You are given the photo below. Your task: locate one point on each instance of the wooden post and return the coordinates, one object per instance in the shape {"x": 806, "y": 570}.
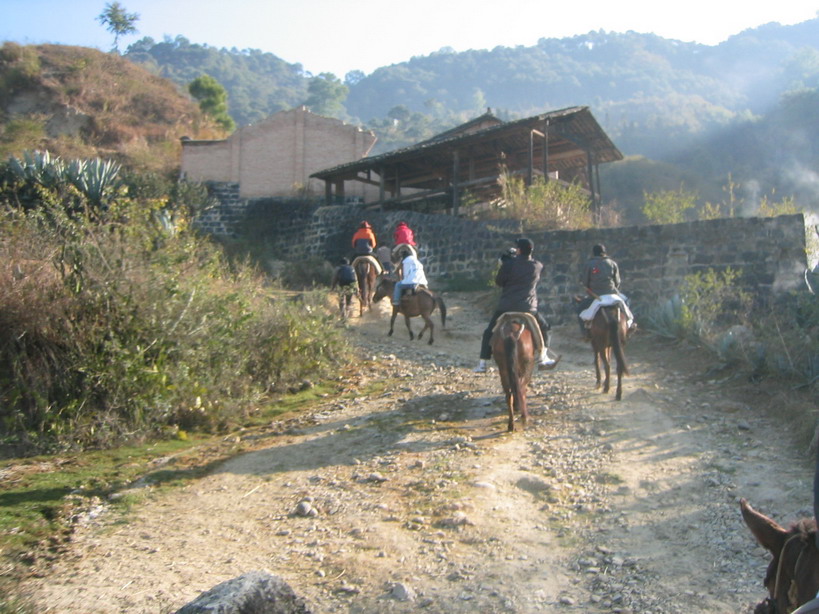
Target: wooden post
{"x": 340, "y": 191}
{"x": 456, "y": 197}
{"x": 546, "y": 152}
{"x": 328, "y": 192}
{"x": 530, "y": 167}
{"x": 590, "y": 174}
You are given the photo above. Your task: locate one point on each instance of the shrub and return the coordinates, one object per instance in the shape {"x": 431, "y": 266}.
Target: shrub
{"x": 668, "y": 206}
{"x": 711, "y": 299}
{"x": 706, "y": 304}
{"x": 544, "y": 204}
{"x": 118, "y": 326}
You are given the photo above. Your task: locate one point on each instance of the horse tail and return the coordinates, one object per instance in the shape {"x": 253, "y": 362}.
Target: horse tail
{"x": 510, "y": 351}
{"x": 440, "y": 302}
{"x": 617, "y": 341}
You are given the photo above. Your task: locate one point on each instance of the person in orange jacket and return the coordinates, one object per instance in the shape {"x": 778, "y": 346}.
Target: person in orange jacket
{"x": 364, "y": 239}
{"x": 403, "y": 234}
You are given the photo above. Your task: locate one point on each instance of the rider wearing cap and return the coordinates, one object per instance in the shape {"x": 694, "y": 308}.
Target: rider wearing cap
{"x": 403, "y": 234}
{"x": 601, "y": 278}
{"x": 364, "y": 239}
{"x": 518, "y": 277}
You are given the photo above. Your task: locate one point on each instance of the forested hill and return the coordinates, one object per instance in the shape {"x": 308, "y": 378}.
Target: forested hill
{"x": 258, "y": 84}
{"x": 652, "y": 95}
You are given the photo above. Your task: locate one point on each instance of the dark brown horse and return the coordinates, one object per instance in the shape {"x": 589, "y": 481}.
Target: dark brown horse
{"x": 792, "y": 578}
{"x": 421, "y": 302}
{"x": 366, "y": 271}
{"x": 513, "y": 349}
{"x": 608, "y": 333}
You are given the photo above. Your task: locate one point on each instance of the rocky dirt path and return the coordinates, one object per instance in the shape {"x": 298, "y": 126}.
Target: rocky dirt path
{"x": 417, "y": 499}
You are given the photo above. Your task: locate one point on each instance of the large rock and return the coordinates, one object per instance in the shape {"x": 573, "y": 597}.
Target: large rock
{"x": 255, "y": 592}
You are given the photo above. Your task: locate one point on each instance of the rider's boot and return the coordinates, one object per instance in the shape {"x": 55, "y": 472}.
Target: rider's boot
{"x": 545, "y": 361}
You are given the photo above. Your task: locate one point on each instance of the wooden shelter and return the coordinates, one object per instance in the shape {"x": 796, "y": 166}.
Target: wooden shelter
{"x": 568, "y": 145}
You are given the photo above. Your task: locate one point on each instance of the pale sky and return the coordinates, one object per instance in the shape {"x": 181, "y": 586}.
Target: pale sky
{"x": 338, "y": 36}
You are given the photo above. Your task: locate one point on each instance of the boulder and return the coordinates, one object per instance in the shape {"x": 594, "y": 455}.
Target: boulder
{"x": 255, "y": 592}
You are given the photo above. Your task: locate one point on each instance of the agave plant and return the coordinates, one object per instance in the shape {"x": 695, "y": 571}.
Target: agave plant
{"x": 97, "y": 179}
{"x": 39, "y": 167}
{"x": 667, "y": 319}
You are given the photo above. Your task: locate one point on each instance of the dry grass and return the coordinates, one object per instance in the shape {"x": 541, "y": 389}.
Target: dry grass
{"x": 128, "y": 113}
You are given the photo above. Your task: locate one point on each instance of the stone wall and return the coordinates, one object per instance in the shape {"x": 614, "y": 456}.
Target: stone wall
{"x": 770, "y": 252}
{"x": 224, "y": 218}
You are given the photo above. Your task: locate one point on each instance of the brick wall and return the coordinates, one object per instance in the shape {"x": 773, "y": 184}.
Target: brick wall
{"x": 275, "y": 157}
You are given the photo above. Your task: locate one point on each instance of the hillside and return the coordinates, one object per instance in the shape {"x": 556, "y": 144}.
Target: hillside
{"x": 683, "y": 113}
{"x": 652, "y": 95}
{"x": 80, "y": 102}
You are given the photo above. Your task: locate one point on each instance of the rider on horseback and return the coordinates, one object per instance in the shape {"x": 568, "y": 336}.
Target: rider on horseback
{"x": 364, "y": 239}
{"x": 518, "y": 277}
{"x": 601, "y": 278}
{"x": 411, "y": 271}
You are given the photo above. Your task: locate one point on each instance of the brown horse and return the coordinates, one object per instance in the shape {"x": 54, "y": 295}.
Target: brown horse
{"x": 513, "y": 349}
{"x": 421, "y": 302}
{"x": 792, "y": 578}
{"x": 608, "y": 333}
{"x": 366, "y": 271}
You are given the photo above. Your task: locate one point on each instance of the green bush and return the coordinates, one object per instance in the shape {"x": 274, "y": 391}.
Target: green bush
{"x": 706, "y": 304}
{"x": 117, "y": 326}
{"x": 712, "y": 300}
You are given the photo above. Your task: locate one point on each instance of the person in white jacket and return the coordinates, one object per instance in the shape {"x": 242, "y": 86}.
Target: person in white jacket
{"x": 411, "y": 271}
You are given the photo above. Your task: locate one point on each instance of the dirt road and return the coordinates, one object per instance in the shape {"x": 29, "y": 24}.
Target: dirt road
{"x": 418, "y": 500}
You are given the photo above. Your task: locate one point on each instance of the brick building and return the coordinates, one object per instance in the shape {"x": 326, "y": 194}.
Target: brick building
{"x": 276, "y": 157}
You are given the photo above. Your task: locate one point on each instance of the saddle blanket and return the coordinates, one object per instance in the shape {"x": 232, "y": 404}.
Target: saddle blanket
{"x": 372, "y": 260}
{"x": 529, "y": 320}
{"x": 606, "y": 300}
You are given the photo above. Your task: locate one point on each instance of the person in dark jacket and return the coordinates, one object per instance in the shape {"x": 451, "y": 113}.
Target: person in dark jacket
{"x": 344, "y": 278}
{"x": 601, "y": 278}
{"x": 518, "y": 277}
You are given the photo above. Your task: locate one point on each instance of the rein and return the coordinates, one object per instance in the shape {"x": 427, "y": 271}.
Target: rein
{"x": 791, "y": 594}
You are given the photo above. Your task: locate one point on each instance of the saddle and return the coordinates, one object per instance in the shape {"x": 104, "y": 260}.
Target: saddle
{"x": 414, "y": 289}
{"x": 400, "y": 245}
{"x": 528, "y": 320}
{"x": 372, "y": 260}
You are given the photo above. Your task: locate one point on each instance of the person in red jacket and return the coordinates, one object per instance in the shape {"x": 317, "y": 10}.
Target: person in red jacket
{"x": 403, "y": 234}
{"x": 364, "y": 239}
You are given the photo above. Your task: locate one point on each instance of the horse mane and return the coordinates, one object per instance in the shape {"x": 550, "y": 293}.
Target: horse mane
{"x": 804, "y": 526}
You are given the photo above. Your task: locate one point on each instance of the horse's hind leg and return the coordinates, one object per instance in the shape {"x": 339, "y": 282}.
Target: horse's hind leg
{"x": 427, "y": 325}
{"x": 523, "y": 410}
{"x": 597, "y": 358}
{"x": 607, "y": 367}
{"x": 392, "y": 321}
{"x": 409, "y": 329}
